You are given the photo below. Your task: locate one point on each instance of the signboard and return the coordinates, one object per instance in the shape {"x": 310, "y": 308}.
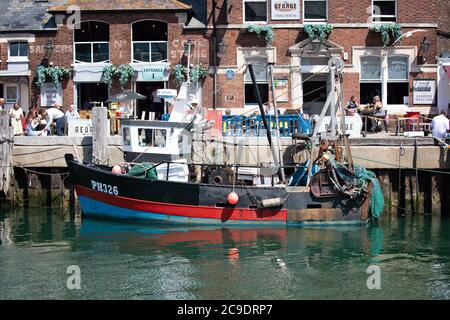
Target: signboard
{"x": 281, "y": 89}
{"x": 81, "y": 127}
{"x": 353, "y": 125}
{"x": 424, "y": 91}
{"x": 50, "y": 94}
{"x": 155, "y": 72}
{"x": 285, "y": 9}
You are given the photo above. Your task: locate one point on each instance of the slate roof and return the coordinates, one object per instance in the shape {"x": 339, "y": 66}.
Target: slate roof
{"x": 108, "y": 5}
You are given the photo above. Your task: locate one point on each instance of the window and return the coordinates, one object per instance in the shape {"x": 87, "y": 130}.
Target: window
{"x": 91, "y": 41}
{"x": 314, "y": 90}
{"x": 18, "y": 50}
{"x": 152, "y": 137}
{"x": 260, "y": 70}
{"x": 398, "y": 84}
{"x": 11, "y": 93}
{"x": 149, "y": 41}
{"x": 370, "y": 78}
{"x": 384, "y": 11}
{"x": 126, "y": 136}
{"x": 255, "y": 11}
{"x": 315, "y": 10}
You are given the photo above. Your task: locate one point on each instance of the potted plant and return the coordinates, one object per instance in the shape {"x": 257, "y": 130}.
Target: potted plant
{"x": 263, "y": 28}
{"x": 53, "y": 74}
{"x": 386, "y": 30}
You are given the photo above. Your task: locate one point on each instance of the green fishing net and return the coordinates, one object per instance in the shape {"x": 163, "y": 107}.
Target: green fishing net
{"x": 143, "y": 170}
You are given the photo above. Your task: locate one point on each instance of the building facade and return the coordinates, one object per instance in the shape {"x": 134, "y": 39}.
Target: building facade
{"x": 150, "y": 37}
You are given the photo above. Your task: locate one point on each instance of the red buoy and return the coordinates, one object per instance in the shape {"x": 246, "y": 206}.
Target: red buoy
{"x": 233, "y": 198}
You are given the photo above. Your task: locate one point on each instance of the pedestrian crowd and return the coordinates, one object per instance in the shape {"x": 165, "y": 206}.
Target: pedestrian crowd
{"x": 40, "y": 122}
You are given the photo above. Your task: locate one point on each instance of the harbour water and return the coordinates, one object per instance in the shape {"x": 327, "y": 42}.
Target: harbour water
{"x": 135, "y": 261}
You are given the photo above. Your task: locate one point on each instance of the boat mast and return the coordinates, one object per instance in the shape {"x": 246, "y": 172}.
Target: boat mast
{"x": 263, "y": 114}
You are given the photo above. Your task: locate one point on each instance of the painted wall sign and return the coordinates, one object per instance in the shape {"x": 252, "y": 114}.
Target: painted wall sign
{"x": 285, "y": 9}
{"x": 50, "y": 95}
{"x": 281, "y": 89}
{"x": 155, "y": 72}
{"x": 424, "y": 91}
{"x": 353, "y": 125}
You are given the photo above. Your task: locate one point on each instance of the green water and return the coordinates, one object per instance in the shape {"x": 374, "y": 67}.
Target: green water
{"x": 131, "y": 261}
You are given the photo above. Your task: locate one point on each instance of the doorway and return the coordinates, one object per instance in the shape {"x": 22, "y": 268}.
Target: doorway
{"x": 91, "y": 95}
{"x": 152, "y": 103}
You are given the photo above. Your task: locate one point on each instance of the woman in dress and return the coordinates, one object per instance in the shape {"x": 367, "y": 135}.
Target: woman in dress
{"x": 16, "y": 114}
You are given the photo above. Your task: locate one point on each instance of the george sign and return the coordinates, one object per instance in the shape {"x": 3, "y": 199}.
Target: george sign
{"x": 424, "y": 91}
{"x": 285, "y": 9}
{"x": 281, "y": 89}
{"x": 50, "y": 94}
{"x": 353, "y": 125}
{"x": 155, "y": 72}
{"x": 80, "y": 127}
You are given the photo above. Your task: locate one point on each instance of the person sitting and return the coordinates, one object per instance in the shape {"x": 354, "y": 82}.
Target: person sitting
{"x": 379, "y": 112}
{"x": 71, "y": 113}
{"x": 53, "y": 114}
{"x": 440, "y": 126}
{"x": 352, "y": 106}
{"x": 32, "y": 123}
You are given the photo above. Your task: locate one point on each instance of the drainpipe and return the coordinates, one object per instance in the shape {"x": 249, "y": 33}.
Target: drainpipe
{"x": 214, "y": 40}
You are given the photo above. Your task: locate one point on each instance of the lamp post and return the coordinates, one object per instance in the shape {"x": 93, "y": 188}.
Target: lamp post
{"x": 187, "y": 48}
{"x": 221, "y": 47}
{"x": 316, "y": 44}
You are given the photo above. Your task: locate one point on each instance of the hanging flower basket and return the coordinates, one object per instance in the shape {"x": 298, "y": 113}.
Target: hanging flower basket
{"x": 123, "y": 73}
{"x": 386, "y": 30}
{"x": 258, "y": 29}
{"x": 53, "y": 74}
{"x": 320, "y": 31}
{"x": 196, "y": 73}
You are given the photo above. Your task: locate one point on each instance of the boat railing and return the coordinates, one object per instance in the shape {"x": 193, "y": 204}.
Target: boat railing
{"x": 254, "y": 126}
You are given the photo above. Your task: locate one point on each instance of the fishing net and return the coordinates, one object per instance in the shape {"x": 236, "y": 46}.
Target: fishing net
{"x": 143, "y": 170}
{"x": 354, "y": 183}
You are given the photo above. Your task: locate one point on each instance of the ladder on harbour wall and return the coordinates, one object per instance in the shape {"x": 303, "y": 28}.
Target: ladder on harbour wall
{"x": 6, "y": 143}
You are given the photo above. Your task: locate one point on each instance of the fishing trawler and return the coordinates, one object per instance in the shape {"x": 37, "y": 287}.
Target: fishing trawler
{"x": 160, "y": 183}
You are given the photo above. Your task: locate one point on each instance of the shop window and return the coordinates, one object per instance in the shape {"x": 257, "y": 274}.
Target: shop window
{"x": 398, "y": 84}
{"x": 152, "y": 137}
{"x": 398, "y": 68}
{"x": 397, "y": 93}
{"x": 91, "y": 95}
{"x": 11, "y": 93}
{"x": 315, "y": 10}
{"x": 260, "y": 70}
{"x": 255, "y": 11}
{"x": 370, "y": 68}
{"x": 149, "y": 41}
{"x": 91, "y": 41}
{"x": 384, "y": 11}
{"x": 368, "y": 91}
{"x": 18, "y": 50}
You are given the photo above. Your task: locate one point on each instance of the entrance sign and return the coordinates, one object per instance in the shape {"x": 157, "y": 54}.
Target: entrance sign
{"x": 424, "y": 91}
{"x": 155, "y": 72}
{"x": 50, "y": 94}
{"x": 285, "y": 9}
{"x": 353, "y": 125}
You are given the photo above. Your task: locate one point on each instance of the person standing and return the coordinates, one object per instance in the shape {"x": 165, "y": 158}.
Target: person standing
{"x": 2, "y": 103}
{"x": 16, "y": 114}
{"x": 440, "y": 126}
{"x": 53, "y": 114}
{"x": 71, "y": 113}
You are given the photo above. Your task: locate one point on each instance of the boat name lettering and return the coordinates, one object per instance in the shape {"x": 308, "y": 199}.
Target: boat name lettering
{"x": 105, "y": 188}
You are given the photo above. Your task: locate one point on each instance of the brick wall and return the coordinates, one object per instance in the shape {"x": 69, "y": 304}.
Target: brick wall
{"x": 444, "y": 25}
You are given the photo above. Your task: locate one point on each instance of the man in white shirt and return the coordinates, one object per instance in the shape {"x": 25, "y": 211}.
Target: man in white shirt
{"x": 53, "y": 114}
{"x": 440, "y": 125}
{"x": 71, "y": 113}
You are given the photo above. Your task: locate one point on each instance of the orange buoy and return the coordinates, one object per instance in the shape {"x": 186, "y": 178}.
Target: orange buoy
{"x": 233, "y": 198}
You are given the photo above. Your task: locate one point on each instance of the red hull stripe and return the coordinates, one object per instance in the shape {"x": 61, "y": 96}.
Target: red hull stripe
{"x": 189, "y": 211}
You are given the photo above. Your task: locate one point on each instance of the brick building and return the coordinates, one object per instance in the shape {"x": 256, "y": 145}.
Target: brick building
{"x": 145, "y": 34}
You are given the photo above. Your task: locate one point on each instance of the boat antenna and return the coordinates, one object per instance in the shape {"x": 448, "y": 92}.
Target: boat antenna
{"x": 263, "y": 114}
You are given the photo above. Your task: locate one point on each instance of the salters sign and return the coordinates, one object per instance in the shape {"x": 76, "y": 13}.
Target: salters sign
{"x": 285, "y": 9}
{"x": 424, "y": 91}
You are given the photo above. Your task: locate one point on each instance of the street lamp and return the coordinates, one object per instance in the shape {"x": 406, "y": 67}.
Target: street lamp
{"x": 187, "y": 46}
{"x": 316, "y": 43}
{"x": 425, "y": 48}
{"x": 221, "y": 47}
{"x": 48, "y": 48}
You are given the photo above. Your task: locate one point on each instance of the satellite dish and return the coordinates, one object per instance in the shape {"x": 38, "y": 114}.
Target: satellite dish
{"x": 338, "y": 63}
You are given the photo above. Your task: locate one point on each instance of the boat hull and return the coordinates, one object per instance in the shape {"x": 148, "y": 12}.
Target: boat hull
{"x": 103, "y": 194}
